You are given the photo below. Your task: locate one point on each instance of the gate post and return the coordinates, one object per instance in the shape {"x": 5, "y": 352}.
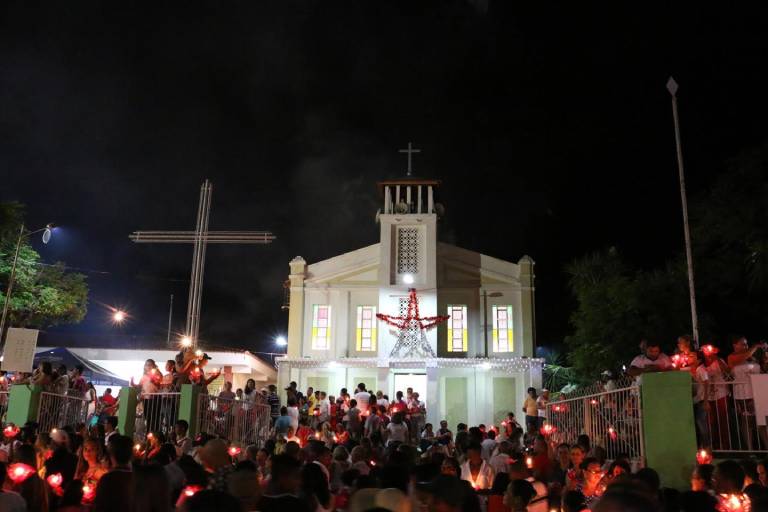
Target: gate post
{"x": 23, "y": 403}
{"x": 669, "y": 432}
{"x": 188, "y": 406}
{"x": 126, "y": 411}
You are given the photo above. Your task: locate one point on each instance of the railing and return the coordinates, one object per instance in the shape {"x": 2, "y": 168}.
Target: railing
{"x": 3, "y": 405}
{"x": 611, "y": 419}
{"x": 156, "y": 412}
{"x": 56, "y": 411}
{"x": 726, "y": 420}
{"x": 239, "y": 421}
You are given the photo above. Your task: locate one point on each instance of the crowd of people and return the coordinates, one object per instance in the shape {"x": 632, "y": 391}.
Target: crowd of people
{"x": 392, "y": 463}
{"x": 724, "y": 406}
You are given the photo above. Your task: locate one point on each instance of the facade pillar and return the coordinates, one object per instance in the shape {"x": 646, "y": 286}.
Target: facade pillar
{"x": 528, "y": 306}
{"x": 433, "y": 396}
{"x": 126, "y": 412}
{"x": 23, "y": 403}
{"x": 296, "y": 307}
{"x": 669, "y": 434}
{"x": 188, "y": 406}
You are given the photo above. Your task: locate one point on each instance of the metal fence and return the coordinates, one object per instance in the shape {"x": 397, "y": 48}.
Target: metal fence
{"x": 156, "y": 412}
{"x": 56, "y": 411}
{"x": 726, "y": 420}
{"x": 3, "y": 405}
{"x": 612, "y": 419}
{"x": 239, "y": 421}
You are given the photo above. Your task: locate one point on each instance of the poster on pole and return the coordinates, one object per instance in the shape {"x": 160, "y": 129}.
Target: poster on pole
{"x": 19, "y": 352}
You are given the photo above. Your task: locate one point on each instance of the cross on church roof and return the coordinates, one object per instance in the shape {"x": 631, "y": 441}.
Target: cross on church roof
{"x": 410, "y": 152}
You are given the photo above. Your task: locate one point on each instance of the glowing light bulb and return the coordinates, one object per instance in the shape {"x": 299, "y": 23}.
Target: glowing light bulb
{"x": 408, "y": 278}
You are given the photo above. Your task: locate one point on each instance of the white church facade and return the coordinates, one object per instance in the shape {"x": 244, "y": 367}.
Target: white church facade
{"x": 484, "y": 353}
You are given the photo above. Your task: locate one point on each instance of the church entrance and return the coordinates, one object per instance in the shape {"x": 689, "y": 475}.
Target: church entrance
{"x": 417, "y": 381}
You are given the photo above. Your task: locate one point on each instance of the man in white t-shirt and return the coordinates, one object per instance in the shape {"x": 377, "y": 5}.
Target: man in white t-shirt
{"x": 488, "y": 445}
{"x": 654, "y": 360}
{"x": 363, "y": 397}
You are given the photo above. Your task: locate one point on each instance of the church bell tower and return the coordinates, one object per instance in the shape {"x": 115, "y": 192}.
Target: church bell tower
{"x": 408, "y": 245}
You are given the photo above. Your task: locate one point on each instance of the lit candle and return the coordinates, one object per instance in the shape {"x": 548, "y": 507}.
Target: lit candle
{"x": 89, "y": 492}
{"x": 703, "y": 457}
{"x": 55, "y": 480}
{"x": 19, "y": 472}
{"x": 234, "y": 451}
{"x": 529, "y": 462}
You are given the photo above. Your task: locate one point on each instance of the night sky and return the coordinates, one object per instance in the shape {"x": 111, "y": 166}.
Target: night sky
{"x": 550, "y": 127}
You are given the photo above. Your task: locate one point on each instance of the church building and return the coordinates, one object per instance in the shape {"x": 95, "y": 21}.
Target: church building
{"x": 474, "y": 367}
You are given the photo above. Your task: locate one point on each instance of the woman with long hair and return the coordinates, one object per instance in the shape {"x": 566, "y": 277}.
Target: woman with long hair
{"x": 91, "y": 466}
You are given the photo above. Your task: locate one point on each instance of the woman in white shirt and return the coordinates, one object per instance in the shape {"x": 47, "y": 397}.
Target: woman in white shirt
{"x": 397, "y": 429}
{"x": 475, "y": 470}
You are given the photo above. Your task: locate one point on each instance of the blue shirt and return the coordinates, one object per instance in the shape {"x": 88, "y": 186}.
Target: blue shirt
{"x": 281, "y": 424}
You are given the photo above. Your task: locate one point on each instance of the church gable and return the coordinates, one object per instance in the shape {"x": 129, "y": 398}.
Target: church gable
{"x": 464, "y": 268}
{"x": 358, "y": 267}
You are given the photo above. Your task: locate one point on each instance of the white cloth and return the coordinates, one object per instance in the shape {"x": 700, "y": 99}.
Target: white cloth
{"x": 700, "y": 384}
{"x": 383, "y": 401}
{"x": 397, "y": 432}
{"x": 362, "y": 400}
{"x": 540, "y": 502}
{"x": 499, "y": 463}
{"x": 484, "y": 478}
{"x": 541, "y": 403}
{"x": 293, "y": 412}
{"x": 641, "y": 361}
{"x": 741, "y": 373}
{"x": 487, "y": 447}
{"x": 717, "y": 385}
{"x": 325, "y": 410}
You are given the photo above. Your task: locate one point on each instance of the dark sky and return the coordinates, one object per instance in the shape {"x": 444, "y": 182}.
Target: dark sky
{"x": 550, "y": 127}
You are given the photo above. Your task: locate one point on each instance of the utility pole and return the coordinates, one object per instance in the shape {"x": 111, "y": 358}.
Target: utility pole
{"x": 672, "y": 88}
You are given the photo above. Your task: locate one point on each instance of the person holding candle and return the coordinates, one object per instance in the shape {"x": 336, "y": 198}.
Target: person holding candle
{"x": 742, "y": 364}
{"x": 653, "y": 360}
{"x": 475, "y": 470}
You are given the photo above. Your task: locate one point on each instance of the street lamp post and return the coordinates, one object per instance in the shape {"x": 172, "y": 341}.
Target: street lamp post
{"x": 12, "y": 275}
{"x": 672, "y": 88}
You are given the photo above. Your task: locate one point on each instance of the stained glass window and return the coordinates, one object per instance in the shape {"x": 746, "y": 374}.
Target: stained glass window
{"x": 321, "y": 327}
{"x": 366, "y": 328}
{"x": 502, "y": 329}
{"x": 457, "y": 329}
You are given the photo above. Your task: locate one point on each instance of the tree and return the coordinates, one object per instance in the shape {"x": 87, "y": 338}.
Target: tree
{"x": 617, "y": 306}
{"x": 43, "y": 295}
{"x": 730, "y": 236}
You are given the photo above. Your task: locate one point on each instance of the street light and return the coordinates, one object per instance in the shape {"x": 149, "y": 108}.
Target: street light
{"x": 118, "y": 316}
{"x": 280, "y": 341}
{"x": 23, "y": 233}
{"x": 186, "y": 341}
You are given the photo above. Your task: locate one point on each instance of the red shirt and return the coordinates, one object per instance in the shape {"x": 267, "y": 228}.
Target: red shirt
{"x": 109, "y": 404}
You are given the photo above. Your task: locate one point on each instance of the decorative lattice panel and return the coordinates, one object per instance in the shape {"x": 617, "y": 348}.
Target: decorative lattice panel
{"x": 408, "y": 250}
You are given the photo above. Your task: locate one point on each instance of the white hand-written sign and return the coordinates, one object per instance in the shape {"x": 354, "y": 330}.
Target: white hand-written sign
{"x": 19, "y": 352}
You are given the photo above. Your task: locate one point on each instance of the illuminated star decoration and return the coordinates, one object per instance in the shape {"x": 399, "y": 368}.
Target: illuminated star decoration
{"x": 411, "y": 338}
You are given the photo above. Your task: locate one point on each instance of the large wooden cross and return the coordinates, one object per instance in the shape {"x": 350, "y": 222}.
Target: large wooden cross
{"x": 200, "y": 238}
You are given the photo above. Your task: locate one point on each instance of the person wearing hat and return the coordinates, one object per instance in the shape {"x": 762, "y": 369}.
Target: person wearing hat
{"x": 198, "y": 374}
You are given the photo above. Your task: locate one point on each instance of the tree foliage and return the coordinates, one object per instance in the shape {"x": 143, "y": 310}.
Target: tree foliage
{"x": 617, "y": 306}
{"x": 43, "y": 295}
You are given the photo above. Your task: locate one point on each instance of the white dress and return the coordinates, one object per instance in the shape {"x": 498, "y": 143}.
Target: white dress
{"x": 484, "y": 478}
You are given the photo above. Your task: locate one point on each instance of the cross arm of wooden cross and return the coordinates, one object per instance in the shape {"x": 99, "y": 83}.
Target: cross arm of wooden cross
{"x": 208, "y": 237}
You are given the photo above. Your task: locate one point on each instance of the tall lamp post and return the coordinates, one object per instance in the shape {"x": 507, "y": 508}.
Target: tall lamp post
{"x": 672, "y": 88}
{"x": 23, "y": 233}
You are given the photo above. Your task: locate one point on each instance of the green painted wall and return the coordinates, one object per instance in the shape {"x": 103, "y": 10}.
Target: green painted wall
{"x": 188, "y": 406}
{"x": 369, "y": 381}
{"x": 504, "y": 393}
{"x": 23, "y": 402}
{"x": 668, "y": 427}
{"x": 319, "y": 384}
{"x": 126, "y": 412}
{"x": 456, "y": 410}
